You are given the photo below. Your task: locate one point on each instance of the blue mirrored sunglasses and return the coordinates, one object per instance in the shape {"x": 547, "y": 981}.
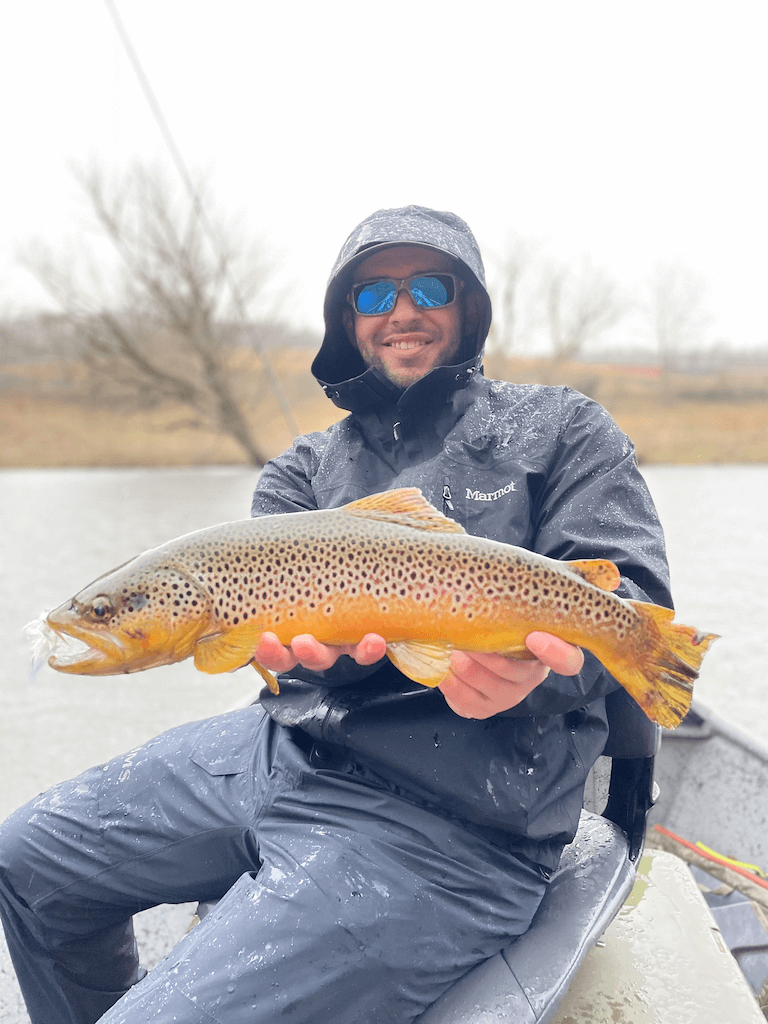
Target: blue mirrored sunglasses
{"x": 428, "y": 291}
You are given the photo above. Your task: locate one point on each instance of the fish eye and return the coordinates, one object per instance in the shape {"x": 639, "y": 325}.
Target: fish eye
{"x": 101, "y": 608}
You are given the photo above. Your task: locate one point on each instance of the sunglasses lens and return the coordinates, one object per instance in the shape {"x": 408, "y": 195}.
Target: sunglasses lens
{"x": 428, "y": 291}
{"x": 433, "y": 290}
{"x": 375, "y": 297}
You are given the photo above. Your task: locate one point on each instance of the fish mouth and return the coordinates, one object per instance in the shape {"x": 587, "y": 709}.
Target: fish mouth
{"x": 76, "y": 649}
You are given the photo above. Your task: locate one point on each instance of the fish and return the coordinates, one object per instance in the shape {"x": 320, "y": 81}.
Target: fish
{"x": 389, "y": 563}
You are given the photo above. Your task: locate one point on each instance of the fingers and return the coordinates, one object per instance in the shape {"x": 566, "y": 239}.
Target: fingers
{"x": 271, "y": 654}
{"x": 371, "y": 649}
{"x": 483, "y": 685}
{"x": 561, "y": 657}
{"x": 317, "y": 657}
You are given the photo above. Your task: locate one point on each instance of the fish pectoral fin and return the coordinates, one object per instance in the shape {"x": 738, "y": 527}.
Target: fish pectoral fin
{"x": 228, "y": 651}
{"x": 600, "y": 572}
{"x": 267, "y": 676}
{"x": 405, "y": 506}
{"x": 423, "y": 661}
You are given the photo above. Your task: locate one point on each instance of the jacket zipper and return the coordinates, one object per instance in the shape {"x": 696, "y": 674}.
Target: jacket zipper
{"x": 447, "y": 502}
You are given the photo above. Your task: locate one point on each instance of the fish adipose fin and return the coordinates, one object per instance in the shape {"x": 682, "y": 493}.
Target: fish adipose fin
{"x": 405, "y": 506}
{"x": 424, "y": 662}
{"x": 227, "y": 651}
{"x": 597, "y": 571}
{"x": 662, "y": 681}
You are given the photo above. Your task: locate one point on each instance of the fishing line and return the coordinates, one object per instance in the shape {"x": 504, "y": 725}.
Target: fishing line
{"x": 201, "y": 214}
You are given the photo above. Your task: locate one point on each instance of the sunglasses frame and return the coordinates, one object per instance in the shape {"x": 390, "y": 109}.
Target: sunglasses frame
{"x": 400, "y": 284}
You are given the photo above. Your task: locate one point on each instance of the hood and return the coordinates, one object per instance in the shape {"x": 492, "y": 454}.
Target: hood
{"x": 338, "y": 360}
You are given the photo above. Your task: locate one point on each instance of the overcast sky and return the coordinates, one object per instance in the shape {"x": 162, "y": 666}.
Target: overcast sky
{"x": 631, "y": 133}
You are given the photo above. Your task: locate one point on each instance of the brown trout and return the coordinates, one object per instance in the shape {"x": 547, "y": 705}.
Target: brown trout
{"x": 389, "y": 564}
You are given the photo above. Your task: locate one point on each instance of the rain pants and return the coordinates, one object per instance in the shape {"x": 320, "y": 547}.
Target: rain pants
{"x": 343, "y": 901}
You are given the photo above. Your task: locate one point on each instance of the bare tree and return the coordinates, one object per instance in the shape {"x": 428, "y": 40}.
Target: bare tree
{"x": 676, "y": 311}
{"x": 513, "y": 314}
{"x": 161, "y": 326}
{"x": 580, "y": 305}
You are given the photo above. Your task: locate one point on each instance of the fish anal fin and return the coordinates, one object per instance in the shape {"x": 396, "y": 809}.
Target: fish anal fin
{"x": 598, "y": 571}
{"x": 228, "y": 651}
{"x": 425, "y": 662}
{"x": 405, "y": 506}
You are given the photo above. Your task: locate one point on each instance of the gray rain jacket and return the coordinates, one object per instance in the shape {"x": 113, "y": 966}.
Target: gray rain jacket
{"x": 540, "y": 467}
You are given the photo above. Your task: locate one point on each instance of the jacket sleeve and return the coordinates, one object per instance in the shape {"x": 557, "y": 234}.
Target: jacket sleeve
{"x": 592, "y": 502}
{"x": 285, "y": 482}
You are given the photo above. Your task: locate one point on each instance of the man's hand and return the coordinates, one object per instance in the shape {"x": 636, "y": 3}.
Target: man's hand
{"x": 483, "y": 685}
{"x": 477, "y": 686}
{"x": 317, "y": 657}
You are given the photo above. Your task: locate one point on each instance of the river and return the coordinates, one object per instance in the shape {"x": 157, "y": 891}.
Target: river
{"x": 62, "y": 528}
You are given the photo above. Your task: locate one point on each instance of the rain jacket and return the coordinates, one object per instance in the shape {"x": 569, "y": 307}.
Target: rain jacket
{"x": 544, "y": 468}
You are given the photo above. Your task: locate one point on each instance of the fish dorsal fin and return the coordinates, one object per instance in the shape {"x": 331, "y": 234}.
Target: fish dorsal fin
{"x": 405, "y": 506}
{"x": 423, "y": 661}
{"x": 597, "y": 571}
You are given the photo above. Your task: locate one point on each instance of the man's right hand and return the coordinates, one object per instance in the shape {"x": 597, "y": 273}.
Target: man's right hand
{"x": 317, "y": 657}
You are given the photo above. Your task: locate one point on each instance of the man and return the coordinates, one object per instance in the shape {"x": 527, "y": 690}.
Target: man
{"x": 371, "y": 839}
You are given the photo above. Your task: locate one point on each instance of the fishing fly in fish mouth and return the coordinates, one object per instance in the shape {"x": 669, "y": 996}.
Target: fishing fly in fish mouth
{"x": 390, "y": 565}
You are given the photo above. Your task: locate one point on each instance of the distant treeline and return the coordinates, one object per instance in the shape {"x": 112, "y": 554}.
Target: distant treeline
{"x": 52, "y": 337}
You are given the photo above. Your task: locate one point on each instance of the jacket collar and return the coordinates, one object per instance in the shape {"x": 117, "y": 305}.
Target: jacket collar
{"x": 371, "y": 391}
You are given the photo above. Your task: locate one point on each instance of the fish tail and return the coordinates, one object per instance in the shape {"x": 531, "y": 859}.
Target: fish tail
{"x": 661, "y": 679}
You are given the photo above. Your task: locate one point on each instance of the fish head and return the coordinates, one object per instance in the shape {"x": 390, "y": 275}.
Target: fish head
{"x": 143, "y": 614}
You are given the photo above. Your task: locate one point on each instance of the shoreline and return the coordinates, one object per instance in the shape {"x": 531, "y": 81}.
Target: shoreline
{"x": 681, "y": 419}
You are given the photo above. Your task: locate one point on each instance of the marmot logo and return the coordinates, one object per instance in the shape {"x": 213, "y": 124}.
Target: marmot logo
{"x": 481, "y": 496}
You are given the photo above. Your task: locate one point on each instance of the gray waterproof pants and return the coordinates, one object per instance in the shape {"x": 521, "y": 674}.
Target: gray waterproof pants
{"x": 342, "y": 901}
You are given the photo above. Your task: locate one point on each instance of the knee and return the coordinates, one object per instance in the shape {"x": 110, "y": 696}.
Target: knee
{"x": 14, "y": 840}
{"x": 33, "y": 845}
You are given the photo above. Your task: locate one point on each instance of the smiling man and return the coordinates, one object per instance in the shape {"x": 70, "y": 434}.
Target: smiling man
{"x": 369, "y": 839}
{"x": 406, "y": 312}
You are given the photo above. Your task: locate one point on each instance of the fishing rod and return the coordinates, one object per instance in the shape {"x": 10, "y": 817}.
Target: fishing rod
{"x": 200, "y": 212}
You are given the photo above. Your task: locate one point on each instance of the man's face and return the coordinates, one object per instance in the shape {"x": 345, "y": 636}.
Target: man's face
{"x": 408, "y": 341}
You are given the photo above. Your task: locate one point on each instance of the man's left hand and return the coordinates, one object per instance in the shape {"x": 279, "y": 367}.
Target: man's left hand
{"x": 483, "y": 685}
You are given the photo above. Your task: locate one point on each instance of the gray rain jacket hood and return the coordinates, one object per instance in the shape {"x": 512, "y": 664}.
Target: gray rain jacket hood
{"x": 338, "y": 366}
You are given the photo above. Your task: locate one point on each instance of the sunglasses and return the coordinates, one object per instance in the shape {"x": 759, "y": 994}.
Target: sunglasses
{"x": 428, "y": 291}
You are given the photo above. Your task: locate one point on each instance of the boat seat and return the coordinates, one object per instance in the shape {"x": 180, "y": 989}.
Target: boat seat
{"x": 526, "y": 981}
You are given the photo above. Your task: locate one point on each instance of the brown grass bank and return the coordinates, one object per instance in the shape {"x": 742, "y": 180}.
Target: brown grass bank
{"x": 680, "y": 419}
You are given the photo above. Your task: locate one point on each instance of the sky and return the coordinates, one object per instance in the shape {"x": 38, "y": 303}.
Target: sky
{"x": 627, "y": 134}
